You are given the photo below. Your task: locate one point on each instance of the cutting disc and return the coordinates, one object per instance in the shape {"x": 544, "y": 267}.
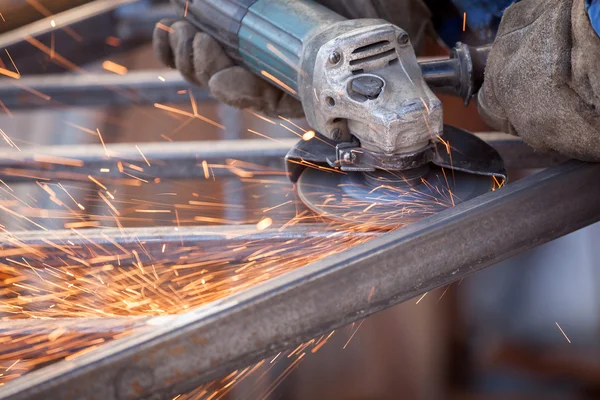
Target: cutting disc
{"x": 381, "y": 202}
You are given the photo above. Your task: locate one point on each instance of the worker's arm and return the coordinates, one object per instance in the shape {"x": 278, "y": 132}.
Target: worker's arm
{"x": 202, "y": 61}
{"x": 542, "y": 79}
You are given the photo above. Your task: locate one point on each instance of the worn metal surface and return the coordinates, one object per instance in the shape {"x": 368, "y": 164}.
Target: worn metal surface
{"x": 184, "y": 159}
{"x": 213, "y": 340}
{"x": 96, "y": 89}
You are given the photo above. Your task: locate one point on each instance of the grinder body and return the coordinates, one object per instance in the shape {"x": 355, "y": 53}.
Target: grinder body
{"x": 358, "y": 80}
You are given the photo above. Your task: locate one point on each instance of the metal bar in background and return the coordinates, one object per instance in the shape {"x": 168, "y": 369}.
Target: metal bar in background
{"x": 192, "y": 235}
{"x": 167, "y": 160}
{"x": 77, "y": 36}
{"x": 97, "y": 89}
{"x": 213, "y": 340}
{"x": 23, "y": 327}
{"x": 184, "y": 159}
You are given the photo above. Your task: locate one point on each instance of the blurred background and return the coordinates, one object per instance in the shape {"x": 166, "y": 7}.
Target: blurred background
{"x": 526, "y": 328}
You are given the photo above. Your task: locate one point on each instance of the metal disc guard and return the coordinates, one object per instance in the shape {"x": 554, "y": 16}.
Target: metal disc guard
{"x": 470, "y": 169}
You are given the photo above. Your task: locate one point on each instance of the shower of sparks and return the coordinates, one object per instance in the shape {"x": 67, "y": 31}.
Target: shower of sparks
{"x": 94, "y": 275}
{"x": 563, "y": 332}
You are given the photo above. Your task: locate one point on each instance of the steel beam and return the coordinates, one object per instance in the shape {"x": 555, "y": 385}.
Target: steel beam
{"x": 23, "y": 327}
{"x": 210, "y": 341}
{"x": 184, "y": 159}
{"x": 97, "y": 89}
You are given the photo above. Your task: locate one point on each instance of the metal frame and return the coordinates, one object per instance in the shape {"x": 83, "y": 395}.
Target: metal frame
{"x": 198, "y": 346}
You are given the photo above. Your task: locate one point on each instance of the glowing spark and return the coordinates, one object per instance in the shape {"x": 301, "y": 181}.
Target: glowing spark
{"x": 263, "y": 118}
{"x": 57, "y": 160}
{"x": 114, "y": 68}
{"x": 91, "y": 178}
{"x": 464, "y": 21}
{"x": 278, "y": 82}
{"x": 113, "y": 41}
{"x": 10, "y": 74}
{"x": 421, "y": 298}
{"x": 53, "y": 24}
{"x": 563, "y": 332}
{"x": 308, "y": 135}
{"x": 264, "y": 224}
{"x": 102, "y": 141}
{"x": 444, "y": 293}
{"x": 164, "y": 27}
{"x": 143, "y": 156}
{"x": 6, "y": 110}
{"x": 187, "y": 3}
{"x": 173, "y": 110}
{"x": 12, "y": 61}
{"x": 160, "y": 78}
{"x": 104, "y": 170}
{"x": 164, "y": 246}
{"x": 357, "y": 328}
{"x": 205, "y": 168}
{"x": 371, "y": 293}
{"x": 264, "y": 136}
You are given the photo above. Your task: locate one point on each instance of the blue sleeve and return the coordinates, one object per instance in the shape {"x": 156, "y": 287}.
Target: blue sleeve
{"x": 593, "y": 9}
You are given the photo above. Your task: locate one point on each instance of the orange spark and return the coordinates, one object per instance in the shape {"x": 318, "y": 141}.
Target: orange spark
{"x": 10, "y": 74}
{"x": 113, "y": 41}
{"x": 114, "y": 68}
{"x": 264, "y": 224}
{"x": 278, "y": 82}
{"x": 91, "y": 178}
{"x": 57, "y": 160}
{"x": 308, "y": 135}
{"x": 164, "y": 27}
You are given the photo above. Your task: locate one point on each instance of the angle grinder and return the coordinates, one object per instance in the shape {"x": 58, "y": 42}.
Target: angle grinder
{"x": 381, "y": 154}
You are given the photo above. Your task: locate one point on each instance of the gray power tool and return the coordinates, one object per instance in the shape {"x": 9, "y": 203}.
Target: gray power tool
{"x": 381, "y": 155}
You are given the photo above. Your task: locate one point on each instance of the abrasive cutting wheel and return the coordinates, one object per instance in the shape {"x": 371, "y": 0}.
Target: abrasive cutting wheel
{"x": 388, "y": 200}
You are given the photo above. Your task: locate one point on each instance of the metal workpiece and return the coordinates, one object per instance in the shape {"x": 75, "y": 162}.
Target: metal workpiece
{"x": 175, "y": 160}
{"x": 97, "y": 89}
{"x": 211, "y": 341}
{"x": 24, "y": 327}
{"x": 184, "y": 159}
{"x": 184, "y": 236}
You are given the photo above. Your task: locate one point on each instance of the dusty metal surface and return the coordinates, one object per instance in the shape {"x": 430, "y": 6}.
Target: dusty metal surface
{"x": 199, "y": 346}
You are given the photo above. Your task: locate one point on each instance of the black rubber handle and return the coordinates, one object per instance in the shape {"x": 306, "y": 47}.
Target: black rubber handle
{"x": 461, "y": 75}
{"x": 221, "y": 19}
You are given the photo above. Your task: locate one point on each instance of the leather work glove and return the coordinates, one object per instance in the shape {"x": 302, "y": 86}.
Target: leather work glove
{"x": 201, "y": 60}
{"x": 542, "y": 80}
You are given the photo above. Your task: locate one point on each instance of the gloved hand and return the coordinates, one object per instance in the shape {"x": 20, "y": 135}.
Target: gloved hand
{"x": 542, "y": 80}
{"x": 201, "y": 60}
